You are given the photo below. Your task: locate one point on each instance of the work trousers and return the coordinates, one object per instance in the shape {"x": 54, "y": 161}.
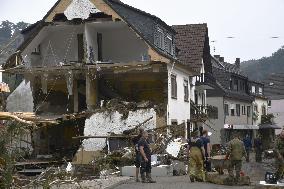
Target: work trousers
{"x": 196, "y": 164}
{"x": 235, "y": 165}
{"x": 258, "y": 155}
{"x": 146, "y": 166}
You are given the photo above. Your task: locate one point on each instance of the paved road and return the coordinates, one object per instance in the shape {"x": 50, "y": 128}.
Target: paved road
{"x": 181, "y": 182}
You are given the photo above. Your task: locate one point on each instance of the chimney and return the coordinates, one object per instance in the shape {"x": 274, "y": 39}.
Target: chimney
{"x": 221, "y": 59}
{"x": 238, "y": 62}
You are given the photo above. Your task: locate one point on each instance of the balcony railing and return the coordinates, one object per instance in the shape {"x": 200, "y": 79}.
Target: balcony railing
{"x": 201, "y": 113}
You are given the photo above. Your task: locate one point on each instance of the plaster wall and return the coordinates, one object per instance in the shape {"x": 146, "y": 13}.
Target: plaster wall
{"x": 238, "y": 120}
{"x": 57, "y": 43}
{"x": 21, "y": 99}
{"x": 216, "y": 124}
{"x": 101, "y": 124}
{"x": 260, "y": 103}
{"x": 119, "y": 43}
{"x": 178, "y": 109}
{"x": 277, "y": 110}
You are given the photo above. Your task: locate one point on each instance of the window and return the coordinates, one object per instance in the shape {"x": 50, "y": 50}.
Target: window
{"x": 263, "y": 110}
{"x": 203, "y": 99}
{"x": 248, "y": 111}
{"x": 100, "y": 46}
{"x": 243, "y": 110}
{"x": 174, "y": 86}
{"x": 195, "y": 97}
{"x": 238, "y": 109}
{"x": 174, "y": 122}
{"x": 260, "y": 90}
{"x": 160, "y": 38}
{"x": 232, "y": 112}
{"x": 169, "y": 44}
{"x": 252, "y": 89}
{"x": 186, "y": 92}
{"x": 226, "y": 109}
{"x": 256, "y": 108}
{"x": 80, "y": 40}
{"x": 236, "y": 85}
{"x": 269, "y": 103}
{"x": 231, "y": 84}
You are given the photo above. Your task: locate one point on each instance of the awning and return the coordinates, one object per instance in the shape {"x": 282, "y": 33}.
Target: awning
{"x": 269, "y": 126}
{"x": 241, "y": 127}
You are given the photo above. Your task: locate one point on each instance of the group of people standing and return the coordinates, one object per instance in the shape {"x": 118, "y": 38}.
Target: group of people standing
{"x": 199, "y": 153}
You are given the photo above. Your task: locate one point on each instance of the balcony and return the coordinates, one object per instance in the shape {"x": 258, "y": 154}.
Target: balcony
{"x": 205, "y": 81}
{"x": 201, "y": 113}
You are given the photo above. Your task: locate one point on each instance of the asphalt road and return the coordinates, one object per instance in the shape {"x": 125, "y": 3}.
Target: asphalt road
{"x": 180, "y": 182}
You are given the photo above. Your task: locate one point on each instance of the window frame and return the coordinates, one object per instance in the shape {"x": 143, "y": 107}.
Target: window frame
{"x": 160, "y": 38}
{"x": 253, "y": 89}
{"x": 186, "y": 90}
{"x": 173, "y": 86}
{"x": 248, "y": 111}
{"x": 226, "y": 109}
{"x": 238, "y": 110}
{"x": 232, "y": 112}
{"x": 168, "y": 44}
{"x": 244, "y": 110}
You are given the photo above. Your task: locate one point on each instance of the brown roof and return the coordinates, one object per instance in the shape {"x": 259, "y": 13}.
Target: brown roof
{"x": 190, "y": 41}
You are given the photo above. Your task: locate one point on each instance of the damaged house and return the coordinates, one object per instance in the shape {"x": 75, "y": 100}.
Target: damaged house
{"x": 192, "y": 41}
{"x": 101, "y": 67}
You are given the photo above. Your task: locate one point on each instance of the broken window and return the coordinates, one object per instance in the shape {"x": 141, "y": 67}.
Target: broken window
{"x": 186, "y": 92}
{"x": 174, "y": 86}
{"x": 238, "y": 109}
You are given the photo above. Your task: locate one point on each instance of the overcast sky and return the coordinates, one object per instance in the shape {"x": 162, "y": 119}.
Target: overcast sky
{"x": 252, "y": 23}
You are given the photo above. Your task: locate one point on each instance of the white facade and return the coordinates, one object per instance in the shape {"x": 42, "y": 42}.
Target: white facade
{"x": 178, "y": 108}
{"x": 277, "y": 110}
{"x": 261, "y": 104}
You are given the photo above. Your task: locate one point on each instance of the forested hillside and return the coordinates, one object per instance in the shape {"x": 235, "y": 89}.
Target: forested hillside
{"x": 10, "y": 38}
{"x": 260, "y": 69}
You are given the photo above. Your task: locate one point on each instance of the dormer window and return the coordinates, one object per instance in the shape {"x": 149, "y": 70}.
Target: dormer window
{"x": 253, "y": 89}
{"x": 169, "y": 44}
{"x": 260, "y": 90}
{"x": 160, "y": 38}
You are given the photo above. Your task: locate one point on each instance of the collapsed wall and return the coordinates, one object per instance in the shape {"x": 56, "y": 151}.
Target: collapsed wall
{"x": 104, "y": 123}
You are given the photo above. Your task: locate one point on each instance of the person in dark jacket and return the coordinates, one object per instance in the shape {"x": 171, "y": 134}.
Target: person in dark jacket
{"x": 258, "y": 149}
{"x": 248, "y": 146}
{"x": 146, "y": 153}
{"x": 135, "y": 141}
{"x": 207, "y": 147}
